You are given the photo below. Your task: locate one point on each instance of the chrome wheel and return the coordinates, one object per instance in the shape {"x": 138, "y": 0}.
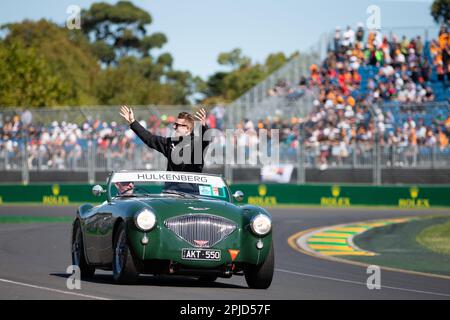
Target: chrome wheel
{"x": 76, "y": 248}
{"x": 124, "y": 268}
{"x": 78, "y": 257}
{"x": 120, "y": 253}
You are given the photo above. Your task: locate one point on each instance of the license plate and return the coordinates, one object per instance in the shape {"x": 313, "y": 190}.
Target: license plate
{"x": 200, "y": 254}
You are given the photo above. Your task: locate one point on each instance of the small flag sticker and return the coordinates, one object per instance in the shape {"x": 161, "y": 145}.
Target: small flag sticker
{"x": 233, "y": 254}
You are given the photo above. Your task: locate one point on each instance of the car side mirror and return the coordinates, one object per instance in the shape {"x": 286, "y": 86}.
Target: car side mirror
{"x": 97, "y": 190}
{"x": 238, "y": 196}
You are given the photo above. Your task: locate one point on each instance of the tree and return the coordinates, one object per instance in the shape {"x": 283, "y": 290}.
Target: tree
{"x": 26, "y": 80}
{"x": 120, "y": 39}
{"x": 103, "y": 52}
{"x": 66, "y": 53}
{"x": 129, "y": 83}
{"x": 234, "y": 59}
{"x": 222, "y": 87}
{"x": 108, "y": 63}
{"x": 215, "y": 85}
{"x": 275, "y": 61}
{"x": 440, "y": 11}
{"x": 122, "y": 27}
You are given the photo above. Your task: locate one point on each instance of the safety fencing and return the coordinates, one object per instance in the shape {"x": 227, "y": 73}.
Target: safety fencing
{"x": 100, "y": 146}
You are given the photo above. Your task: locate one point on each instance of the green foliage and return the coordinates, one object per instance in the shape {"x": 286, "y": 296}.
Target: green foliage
{"x": 132, "y": 82}
{"x": 234, "y": 59}
{"x": 228, "y": 86}
{"x": 440, "y": 11}
{"x": 165, "y": 59}
{"x": 26, "y": 79}
{"x": 215, "y": 85}
{"x": 110, "y": 61}
{"x": 122, "y": 27}
{"x": 107, "y": 62}
{"x": 103, "y": 52}
{"x": 156, "y": 40}
{"x": 66, "y": 54}
{"x": 275, "y": 61}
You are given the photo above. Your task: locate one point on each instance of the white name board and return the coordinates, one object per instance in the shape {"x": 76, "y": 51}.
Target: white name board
{"x": 166, "y": 176}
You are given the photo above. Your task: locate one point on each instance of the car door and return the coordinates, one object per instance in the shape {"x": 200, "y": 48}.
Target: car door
{"x": 105, "y": 224}
{"x": 89, "y": 222}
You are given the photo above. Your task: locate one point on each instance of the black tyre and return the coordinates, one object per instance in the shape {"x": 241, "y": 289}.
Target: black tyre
{"x": 78, "y": 256}
{"x": 260, "y": 276}
{"x": 124, "y": 267}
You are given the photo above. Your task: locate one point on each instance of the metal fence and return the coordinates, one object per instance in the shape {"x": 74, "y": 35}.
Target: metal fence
{"x": 358, "y": 155}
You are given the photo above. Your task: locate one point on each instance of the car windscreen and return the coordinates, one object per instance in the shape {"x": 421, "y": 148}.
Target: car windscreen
{"x": 168, "y": 184}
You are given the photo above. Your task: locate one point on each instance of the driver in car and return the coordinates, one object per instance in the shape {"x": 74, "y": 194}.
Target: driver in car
{"x": 184, "y": 132}
{"x": 124, "y": 188}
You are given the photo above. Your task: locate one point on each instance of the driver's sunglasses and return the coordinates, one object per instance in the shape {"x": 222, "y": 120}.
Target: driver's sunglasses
{"x": 126, "y": 184}
{"x": 176, "y": 125}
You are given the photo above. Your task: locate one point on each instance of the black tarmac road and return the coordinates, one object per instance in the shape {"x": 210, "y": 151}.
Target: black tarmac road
{"x": 34, "y": 258}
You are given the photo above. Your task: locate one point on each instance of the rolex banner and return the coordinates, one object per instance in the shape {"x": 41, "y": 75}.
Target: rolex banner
{"x": 273, "y": 192}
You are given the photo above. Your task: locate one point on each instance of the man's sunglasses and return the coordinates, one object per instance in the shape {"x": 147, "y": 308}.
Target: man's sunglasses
{"x": 125, "y": 184}
{"x": 176, "y": 125}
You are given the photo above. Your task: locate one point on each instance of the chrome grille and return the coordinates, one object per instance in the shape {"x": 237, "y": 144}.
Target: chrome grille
{"x": 201, "y": 230}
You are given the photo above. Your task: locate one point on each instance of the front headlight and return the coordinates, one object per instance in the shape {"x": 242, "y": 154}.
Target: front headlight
{"x": 145, "y": 220}
{"x": 261, "y": 224}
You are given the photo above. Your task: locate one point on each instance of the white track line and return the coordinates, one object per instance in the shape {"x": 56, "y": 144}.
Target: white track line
{"x": 361, "y": 283}
{"x": 279, "y": 270}
{"x": 52, "y": 290}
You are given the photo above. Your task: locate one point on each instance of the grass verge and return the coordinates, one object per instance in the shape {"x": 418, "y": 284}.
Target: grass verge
{"x": 34, "y": 219}
{"x": 436, "y": 238}
{"x": 397, "y": 247}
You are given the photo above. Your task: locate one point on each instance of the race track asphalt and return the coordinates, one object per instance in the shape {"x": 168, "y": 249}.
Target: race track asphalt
{"x": 34, "y": 258}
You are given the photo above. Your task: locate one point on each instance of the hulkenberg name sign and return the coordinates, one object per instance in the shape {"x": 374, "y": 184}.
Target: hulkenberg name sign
{"x": 164, "y": 176}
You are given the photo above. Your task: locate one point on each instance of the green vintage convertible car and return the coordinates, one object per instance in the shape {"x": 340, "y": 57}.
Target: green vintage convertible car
{"x": 158, "y": 222}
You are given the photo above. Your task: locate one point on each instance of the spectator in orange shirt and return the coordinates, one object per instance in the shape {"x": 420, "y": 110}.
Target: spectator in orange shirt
{"x": 447, "y": 123}
{"x": 443, "y": 139}
{"x": 413, "y": 137}
{"x": 443, "y": 37}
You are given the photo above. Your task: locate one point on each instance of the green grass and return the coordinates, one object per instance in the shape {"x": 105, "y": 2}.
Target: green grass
{"x": 436, "y": 238}
{"x": 34, "y": 219}
{"x": 397, "y": 247}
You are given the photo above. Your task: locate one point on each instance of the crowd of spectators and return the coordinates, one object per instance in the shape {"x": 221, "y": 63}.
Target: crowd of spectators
{"x": 334, "y": 137}
{"x": 65, "y": 145}
{"x": 329, "y": 134}
{"x": 397, "y": 69}
{"x": 360, "y": 72}
{"x": 60, "y": 145}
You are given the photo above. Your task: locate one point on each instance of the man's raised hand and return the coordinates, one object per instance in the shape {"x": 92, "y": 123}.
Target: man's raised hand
{"x": 201, "y": 116}
{"x": 127, "y": 114}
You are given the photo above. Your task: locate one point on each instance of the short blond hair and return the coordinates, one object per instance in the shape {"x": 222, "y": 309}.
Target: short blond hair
{"x": 188, "y": 117}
